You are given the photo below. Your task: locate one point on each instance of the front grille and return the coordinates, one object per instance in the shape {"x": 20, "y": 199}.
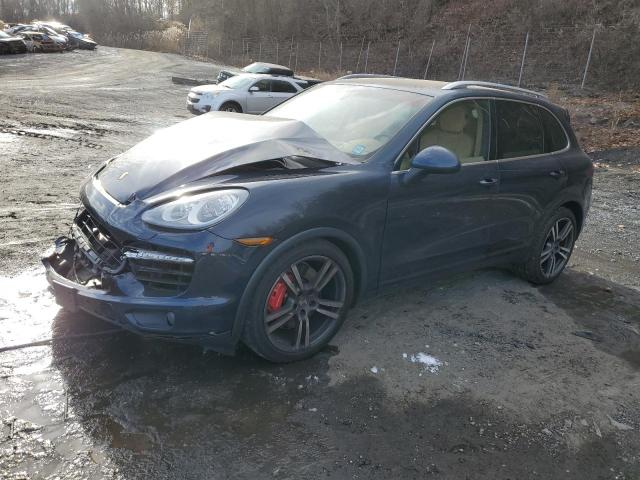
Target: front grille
{"x": 97, "y": 244}
{"x": 162, "y": 273}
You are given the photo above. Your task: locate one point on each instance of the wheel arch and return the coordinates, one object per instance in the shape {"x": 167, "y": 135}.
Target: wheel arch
{"x": 344, "y": 241}
{"x": 576, "y": 209}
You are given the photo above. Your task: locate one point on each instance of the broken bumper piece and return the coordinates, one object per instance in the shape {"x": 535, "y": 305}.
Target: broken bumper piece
{"x": 120, "y": 299}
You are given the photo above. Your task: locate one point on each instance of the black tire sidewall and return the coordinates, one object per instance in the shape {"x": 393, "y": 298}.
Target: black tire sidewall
{"x": 532, "y": 269}
{"x": 236, "y": 108}
{"x": 254, "y": 334}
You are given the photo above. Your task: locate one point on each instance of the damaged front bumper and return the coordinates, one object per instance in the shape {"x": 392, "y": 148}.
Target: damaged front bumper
{"x": 120, "y": 299}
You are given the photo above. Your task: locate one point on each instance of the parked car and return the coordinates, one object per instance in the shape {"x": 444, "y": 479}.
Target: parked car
{"x": 11, "y": 44}
{"x": 75, "y": 38}
{"x": 81, "y": 40}
{"x": 245, "y": 93}
{"x": 40, "y": 42}
{"x": 266, "y": 229}
{"x": 269, "y": 69}
{"x": 257, "y": 67}
{"x": 14, "y": 28}
{"x": 59, "y": 39}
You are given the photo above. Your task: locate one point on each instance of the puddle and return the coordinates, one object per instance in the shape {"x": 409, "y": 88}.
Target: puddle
{"x": 27, "y": 308}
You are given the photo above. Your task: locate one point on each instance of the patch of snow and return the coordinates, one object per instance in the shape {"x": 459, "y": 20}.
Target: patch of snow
{"x": 431, "y": 363}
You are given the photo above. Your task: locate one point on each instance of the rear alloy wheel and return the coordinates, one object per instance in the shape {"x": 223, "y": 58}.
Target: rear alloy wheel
{"x": 557, "y": 248}
{"x": 303, "y": 300}
{"x": 230, "y": 107}
{"x": 552, "y": 248}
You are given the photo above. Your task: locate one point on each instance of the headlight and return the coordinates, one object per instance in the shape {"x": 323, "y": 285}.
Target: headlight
{"x": 195, "y": 212}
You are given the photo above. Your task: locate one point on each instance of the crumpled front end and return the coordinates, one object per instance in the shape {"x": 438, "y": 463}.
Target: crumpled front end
{"x": 151, "y": 288}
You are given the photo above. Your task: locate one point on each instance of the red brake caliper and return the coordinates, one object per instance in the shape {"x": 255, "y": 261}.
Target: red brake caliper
{"x": 277, "y": 296}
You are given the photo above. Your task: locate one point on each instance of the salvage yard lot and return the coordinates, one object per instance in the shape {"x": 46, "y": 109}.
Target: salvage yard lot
{"x": 533, "y": 382}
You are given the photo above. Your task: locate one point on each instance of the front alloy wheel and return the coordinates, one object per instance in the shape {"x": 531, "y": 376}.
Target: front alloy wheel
{"x": 300, "y": 302}
{"x": 304, "y": 303}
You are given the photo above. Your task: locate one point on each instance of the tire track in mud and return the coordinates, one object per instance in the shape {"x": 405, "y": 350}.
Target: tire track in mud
{"x": 49, "y": 136}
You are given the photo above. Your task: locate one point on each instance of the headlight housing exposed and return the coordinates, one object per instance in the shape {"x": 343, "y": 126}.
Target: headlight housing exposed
{"x": 195, "y": 212}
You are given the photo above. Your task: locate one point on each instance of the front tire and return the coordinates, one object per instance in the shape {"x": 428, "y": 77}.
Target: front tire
{"x": 300, "y": 302}
{"x": 230, "y": 107}
{"x": 551, "y": 248}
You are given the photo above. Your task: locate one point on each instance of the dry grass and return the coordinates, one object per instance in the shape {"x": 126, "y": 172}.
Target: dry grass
{"x": 604, "y": 121}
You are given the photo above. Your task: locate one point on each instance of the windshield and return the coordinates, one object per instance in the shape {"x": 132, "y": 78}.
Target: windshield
{"x": 237, "y": 82}
{"x": 357, "y": 120}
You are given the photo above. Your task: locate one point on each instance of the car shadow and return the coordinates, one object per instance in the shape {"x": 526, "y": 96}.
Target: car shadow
{"x": 168, "y": 410}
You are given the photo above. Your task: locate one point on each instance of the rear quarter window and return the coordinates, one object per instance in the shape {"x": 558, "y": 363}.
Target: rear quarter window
{"x": 555, "y": 138}
{"x": 525, "y": 130}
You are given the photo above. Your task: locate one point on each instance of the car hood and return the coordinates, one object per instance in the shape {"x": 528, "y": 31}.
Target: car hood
{"x": 207, "y": 145}
{"x": 209, "y": 88}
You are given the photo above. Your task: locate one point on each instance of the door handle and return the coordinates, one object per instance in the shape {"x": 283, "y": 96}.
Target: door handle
{"x": 556, "y": 173}
{"x": 488, "y": 181}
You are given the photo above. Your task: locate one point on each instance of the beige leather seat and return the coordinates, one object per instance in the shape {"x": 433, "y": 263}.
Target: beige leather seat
{"x": 448, "y": 131}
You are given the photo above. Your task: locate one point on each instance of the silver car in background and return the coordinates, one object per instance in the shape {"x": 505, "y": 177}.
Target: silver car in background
{"x": 244, "y": 93}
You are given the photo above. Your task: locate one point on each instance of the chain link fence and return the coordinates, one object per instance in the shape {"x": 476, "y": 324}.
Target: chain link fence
{"x": 602, "y": 56}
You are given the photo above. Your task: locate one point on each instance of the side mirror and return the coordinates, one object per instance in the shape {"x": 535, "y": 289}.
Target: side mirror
{"x": 436, "y": 159}
{"x": 254, "y": 89}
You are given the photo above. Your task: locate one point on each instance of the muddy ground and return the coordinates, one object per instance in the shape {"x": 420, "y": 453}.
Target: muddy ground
{"x": 520, "y": 382}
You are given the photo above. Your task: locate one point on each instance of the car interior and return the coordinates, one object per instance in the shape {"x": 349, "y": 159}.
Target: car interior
{"x": 462, "y": 128}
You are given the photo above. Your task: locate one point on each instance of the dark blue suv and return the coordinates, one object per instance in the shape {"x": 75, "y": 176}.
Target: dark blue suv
{"x": 266, "y": 229}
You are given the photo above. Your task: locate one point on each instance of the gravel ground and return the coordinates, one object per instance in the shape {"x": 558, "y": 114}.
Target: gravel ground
{"x": 478, "y": 376}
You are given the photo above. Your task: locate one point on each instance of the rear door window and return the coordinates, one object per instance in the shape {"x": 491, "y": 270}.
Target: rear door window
{"x": 278, "y": 86}
{"x": 520, "y": 130}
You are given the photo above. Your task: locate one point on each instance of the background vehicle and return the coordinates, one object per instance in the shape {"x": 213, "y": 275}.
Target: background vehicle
{"x": 40, "y": 42}
{"x": 63, "y": 36}
{"x": 75, "y": 39}
{"x": 11, "y": 44}
{"x": 58, "y": 38}
{"x": 257, "y": 67}
{"x": 266, "y": 229}
{"x": 268, "y": 69}
{"x": 245, "y": 93}
{"x": 80, "y": 40}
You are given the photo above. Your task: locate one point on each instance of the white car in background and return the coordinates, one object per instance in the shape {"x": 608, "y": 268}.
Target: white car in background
{"x": 244, "y": 93}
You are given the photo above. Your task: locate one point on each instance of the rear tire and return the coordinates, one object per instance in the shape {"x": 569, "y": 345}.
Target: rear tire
{"x": 300, "y": 302}
{"x": 230, "y": 107}
{"x": 551, "y": 248}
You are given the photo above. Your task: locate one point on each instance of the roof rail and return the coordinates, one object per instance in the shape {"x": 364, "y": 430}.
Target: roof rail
{"x": 363, "y": 75}
{"x": 491, "y": 85}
